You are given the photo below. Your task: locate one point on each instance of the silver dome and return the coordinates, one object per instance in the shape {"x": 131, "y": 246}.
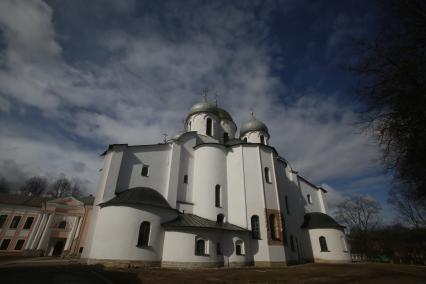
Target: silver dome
{"x": 253, "y": 125}
{"x": 211, "y": 108}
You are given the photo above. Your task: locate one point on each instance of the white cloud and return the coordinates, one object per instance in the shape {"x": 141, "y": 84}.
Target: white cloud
{"x": 151, "y": 79}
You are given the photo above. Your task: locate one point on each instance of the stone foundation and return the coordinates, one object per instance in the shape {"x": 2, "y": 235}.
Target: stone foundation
{"x": 270, "y": 263}
{"x": 320, "y": 260}
{"x": 111, "y": 263}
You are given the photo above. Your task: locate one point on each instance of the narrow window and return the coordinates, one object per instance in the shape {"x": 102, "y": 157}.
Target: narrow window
{"x": 245, "y": 139}
{"x": 189, "y": 126}
{"x": 200, "y": 246}
{"x": 80, "y": 250}
{"x": 255, "y": 228}
{"x": 19, "y": 244}
{"x": 209, "y": 127}
{"x": 218, "y": 249}
{"x": 218, "y": 202}
{"x": 262, "y": 139}
{"x": 272, "y": 227}
{"x": 239, "y": 247}
{"x": 15, "y": 222}
{"x": 344, "y": 245}
{"x": 28, "y": 223}
{"x": 4, "y": 244}
{"x": 286, "y": 205}
{"x": 323, "y": 243}
{"x": 62, "y": 225}
{"x": 2, "y": 220}
{"x": 309, "y": 199}
{"x": 145, "y": 170}
{"x": 220, "y": 218}
{"x": 267, "y": 175}
{"x": 225, "y": 137}
{"x": 144, "y": 231}
{"x": 291, "y": 243}
{"x": 185, "y": 179}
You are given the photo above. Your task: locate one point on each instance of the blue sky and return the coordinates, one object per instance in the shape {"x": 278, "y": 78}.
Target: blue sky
{"x": 76, "y": 76}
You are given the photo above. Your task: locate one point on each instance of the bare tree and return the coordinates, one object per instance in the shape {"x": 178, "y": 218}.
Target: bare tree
{"x": 60, "y": 188}
{"x": 34, "y": 186}
{"x": 359, "y": 213}
{"x": 410, "y": 209}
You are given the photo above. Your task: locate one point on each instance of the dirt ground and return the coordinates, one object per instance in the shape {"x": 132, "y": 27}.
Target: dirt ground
{"x": 309, "y": 273}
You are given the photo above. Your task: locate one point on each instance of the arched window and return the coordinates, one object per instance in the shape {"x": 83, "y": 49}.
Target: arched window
{"x": 200, "y": 247}
{"x": 220, "y": 218}
{"x": 267, "y": 175}
{"x": 189, "y": 126}
{"x": 218, "y": 201}
{"x": 218, "y": 249}
{"x": 239, "y": 247}
{"x": 309, "y": 199}
{"x": 344, "y": 244}
{"x": 144, "y": 231}
{"x": 255, "y": 228}
{"x": 291, "y": 243}
{"x": 323, "y": 243}
{"x": 262, "y": 139}
{"x": 62, "y": 225}
{"x": 185, "y": 179}
{"x": 225, "y": 137}
{"x": 286, "y": 205}
{"x": 245, "y": 139}
{"x": 209, "y": 127}
{"x": 273, "y": 226}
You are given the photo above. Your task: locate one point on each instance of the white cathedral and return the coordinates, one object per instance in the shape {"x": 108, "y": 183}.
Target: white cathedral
{"x": 209, "y": 198}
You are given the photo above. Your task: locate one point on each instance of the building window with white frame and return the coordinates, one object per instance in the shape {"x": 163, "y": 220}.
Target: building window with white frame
{"x": 255, "y": 227}
{"x": 201, "y": 247}
{"x": 262, "y": 139}
{"x": 144, "y": 231}
{"x": 218, "y": 195}
{"x": 185, "y": 179}
{"x": 239, "y": 247}
{"x": 145, "y": 170}
{"x": 4, "y": 244}
{"x": 309, "y": 198}
{"x": 267, "y": 175}
{"x": 19, "y": 244}
{"x": 323, "y": 243}
{"x": 28, "y": 223}
{"x": 15, "y": 222}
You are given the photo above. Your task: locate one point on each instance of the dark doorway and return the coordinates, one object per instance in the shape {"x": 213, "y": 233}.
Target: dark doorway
{"x": 57, "y": 250}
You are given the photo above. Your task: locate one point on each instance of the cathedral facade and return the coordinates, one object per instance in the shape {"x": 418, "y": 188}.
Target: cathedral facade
{"x": 208, "y": 197}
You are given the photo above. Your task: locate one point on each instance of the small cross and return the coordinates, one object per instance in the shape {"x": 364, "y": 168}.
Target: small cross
{"x": 204, "y": 93}
{"x": 165, "y": 137}
{"x": 252, "y": 113}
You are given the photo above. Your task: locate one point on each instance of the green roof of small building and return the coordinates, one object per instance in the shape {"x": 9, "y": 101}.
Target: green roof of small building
{"x": 194, "y": 221}
{"x": 317, "y": 220}
{"x": 138, "y": 196}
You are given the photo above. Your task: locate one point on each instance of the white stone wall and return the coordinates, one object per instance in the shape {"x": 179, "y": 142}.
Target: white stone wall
{"x": 306, "y": 189}
{"x": 117, "y": 232}
{"x": 337, "y": 252}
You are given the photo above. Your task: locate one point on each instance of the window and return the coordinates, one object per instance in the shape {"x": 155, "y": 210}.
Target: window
{"x": 4, "y": 244}
{"x": 262, "y": 139}
{"x": 291, "y": 243}
{"x": 255, "y": 228}
{"x": 267, "y": 175}
{"x": 225, "y": 137}
{"x": 19, "y": 244}
{"x": 239, "y": 247}
{"x": 145, "y": 170}
{"x": 323, "y": 243}
{"x": 286, "y": 205}
{"x": 144, "y": 231}
{"x": 309, "y": 199}
{"x": 62, "y": 225}
{"x": 273, "y": 226}
{"x": 15, "y": 222}
{"x": 185, "y": 179}
{"x": 81, "y": 250}
{"x": 218, "y": 200}
{"x": 218, "y": 249}
{"x": 190, "y": 126}
{"x": 245, "y": 139}
{"x": 28, "y": 223}
{"x": 220, "y": 218}
{"x": 200, "y": 247}
{"x": 2, "y": 220}
{"x": 344, "y": 245}
{"x": 209, "y": 127}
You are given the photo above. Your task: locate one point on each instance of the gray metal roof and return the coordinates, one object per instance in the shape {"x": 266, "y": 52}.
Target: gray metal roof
{"x": 138, "y": 196}
{"x": 211, "y": 108}
{"x": 194, "y": 221}
{"x": 317, "y": 220}
{"x": 253, "y": 125}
